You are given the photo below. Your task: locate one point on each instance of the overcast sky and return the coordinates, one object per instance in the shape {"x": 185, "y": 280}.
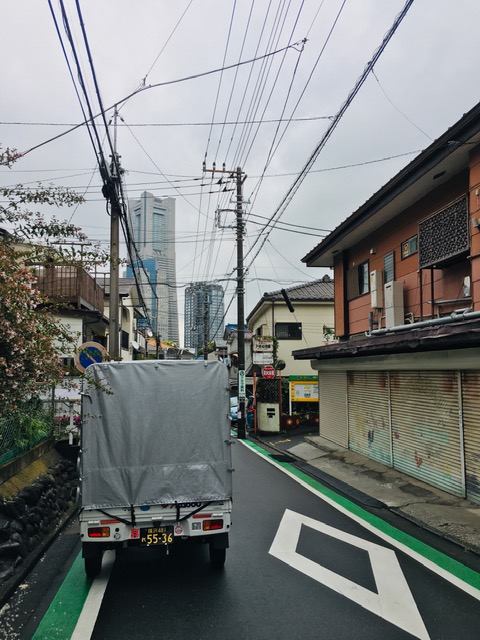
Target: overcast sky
{"x": 424, "y": 81}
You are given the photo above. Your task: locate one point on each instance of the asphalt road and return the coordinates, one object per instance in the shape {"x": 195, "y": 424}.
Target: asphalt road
{"x": 303, "y": 563}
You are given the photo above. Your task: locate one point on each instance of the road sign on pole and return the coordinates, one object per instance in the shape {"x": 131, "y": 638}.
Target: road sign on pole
{"x": 89, "y": 353}
{"x": 268, "y": 372}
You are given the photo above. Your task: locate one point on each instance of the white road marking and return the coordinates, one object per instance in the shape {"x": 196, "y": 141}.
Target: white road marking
{"x": 91, "y": 607}
{"x": 418, "y": 557}
{"x": 393, "y": 602}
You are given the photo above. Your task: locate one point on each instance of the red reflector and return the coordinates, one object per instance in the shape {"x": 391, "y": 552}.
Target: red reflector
{"x": 210, "y": 525}
{"x": 203, "y": 515}
{"x": 99, "y": 532}
{"x": 109, "y": 521}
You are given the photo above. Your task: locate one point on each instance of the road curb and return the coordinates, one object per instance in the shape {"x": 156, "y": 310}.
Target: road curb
{"x": 365, "y": 499}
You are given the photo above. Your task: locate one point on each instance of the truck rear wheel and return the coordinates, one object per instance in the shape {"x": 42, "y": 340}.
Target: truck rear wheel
{"x": 93, "y": 565}
{"x": 217, "y": 557}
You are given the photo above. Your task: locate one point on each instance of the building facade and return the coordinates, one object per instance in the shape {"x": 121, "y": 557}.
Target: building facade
{"x": 204, "y": 314}
{"x": 402, "y": 384}
{"x": 308, "y": 321}
{"x": 152, "y": 224}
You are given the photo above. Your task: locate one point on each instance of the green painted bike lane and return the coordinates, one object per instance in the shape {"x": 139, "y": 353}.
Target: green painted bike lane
{"x": 62, "y": 615}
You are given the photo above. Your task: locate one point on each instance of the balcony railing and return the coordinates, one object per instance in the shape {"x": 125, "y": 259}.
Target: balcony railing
{"x": 70, "y": 286}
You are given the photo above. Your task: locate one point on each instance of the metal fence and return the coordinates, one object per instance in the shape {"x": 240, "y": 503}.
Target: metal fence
{"x": 22, "y": 430}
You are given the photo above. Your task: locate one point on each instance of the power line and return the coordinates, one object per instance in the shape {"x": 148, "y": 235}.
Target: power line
{"x": 172, "y": 124}
{"x": 154, "y": 86}
{"x": 301, "y": 176}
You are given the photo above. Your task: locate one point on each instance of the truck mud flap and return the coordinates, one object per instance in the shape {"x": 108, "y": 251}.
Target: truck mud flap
{"x": 219, "y": 541}
{"x": 92, "y": 549}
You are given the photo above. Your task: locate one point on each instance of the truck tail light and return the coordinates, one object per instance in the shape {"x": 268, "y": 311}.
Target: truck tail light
{"x": 211, "y": 525}
{"x": 99, "y": 532}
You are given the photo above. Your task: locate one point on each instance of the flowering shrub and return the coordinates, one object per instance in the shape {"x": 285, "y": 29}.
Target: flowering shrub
{"x": 64, "y": 421}
{"x": 32, "y": 341}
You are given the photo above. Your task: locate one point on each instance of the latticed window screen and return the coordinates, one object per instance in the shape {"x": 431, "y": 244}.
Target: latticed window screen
{"x": 444, "y": 235}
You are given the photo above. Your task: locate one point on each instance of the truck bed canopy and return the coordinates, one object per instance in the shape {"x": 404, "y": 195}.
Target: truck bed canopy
{"x": 155, "y": 432}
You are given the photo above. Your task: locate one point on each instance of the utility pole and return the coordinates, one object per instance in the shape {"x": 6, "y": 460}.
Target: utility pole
{"x": 240, "y": 308}
{"x": 111, "y": 191}
{"x": 115, "y": 214}
{"x": 239, "y": 178}
{"x": 205, "y": 323}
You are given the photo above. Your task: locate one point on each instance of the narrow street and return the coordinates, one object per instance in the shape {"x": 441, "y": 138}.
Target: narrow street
{"x": 303, "y": 563}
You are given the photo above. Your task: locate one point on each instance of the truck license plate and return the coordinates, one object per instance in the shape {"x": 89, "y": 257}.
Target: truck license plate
{"x": 153, "y": 536}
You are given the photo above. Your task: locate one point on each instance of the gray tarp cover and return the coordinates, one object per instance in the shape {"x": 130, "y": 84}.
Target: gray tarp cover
{"x": 158, "y": 435}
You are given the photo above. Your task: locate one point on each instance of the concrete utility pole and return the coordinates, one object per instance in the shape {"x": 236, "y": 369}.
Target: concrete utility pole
{"x": 206, "y": 317}
{"x": 240, "y": 179}
{"x": 240, "y": 309}
{"x": 112, "y": 193}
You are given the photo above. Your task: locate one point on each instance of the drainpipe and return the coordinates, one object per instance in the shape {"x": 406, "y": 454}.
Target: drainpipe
{"x": 454, "y": 317}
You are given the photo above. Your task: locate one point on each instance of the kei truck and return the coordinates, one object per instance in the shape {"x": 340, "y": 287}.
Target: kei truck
{"x": 155, "y": 458}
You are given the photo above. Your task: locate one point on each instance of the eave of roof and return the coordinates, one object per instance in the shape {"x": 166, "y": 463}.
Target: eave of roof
{"x": 443, "y": 159}
{"x": 312, "y": 292}
{"x": 448, "y": 336}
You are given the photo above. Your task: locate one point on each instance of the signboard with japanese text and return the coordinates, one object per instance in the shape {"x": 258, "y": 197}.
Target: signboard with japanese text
{"x": 241, "y": 384}
{"x": 303, "y": 388}
{"x": 268, "y": 372}
{"x": 262, "y": 358}
{"x": 262, "y": 344}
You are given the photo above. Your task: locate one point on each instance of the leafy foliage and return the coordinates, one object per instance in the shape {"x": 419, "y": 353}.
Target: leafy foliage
{"x": 24, "y": 426}
{"x": 31, "y": 340}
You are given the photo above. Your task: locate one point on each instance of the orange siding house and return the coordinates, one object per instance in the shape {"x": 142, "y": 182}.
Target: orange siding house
{"x": 402, "y": 383}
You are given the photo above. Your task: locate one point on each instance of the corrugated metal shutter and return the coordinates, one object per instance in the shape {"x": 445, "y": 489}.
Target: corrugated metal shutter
{"x": 368, "y": 415}
{"x": 333, "y": 406}
{"x": 471, "y": 432}
{"x": 426, "y": 427}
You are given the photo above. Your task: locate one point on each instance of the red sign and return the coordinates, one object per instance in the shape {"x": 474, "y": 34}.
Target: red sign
{"x": 268, "y": 372}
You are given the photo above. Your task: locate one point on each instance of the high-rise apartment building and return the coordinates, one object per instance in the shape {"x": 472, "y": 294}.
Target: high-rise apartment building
{"x": 204, "y": 314}
{"x": 152, "y": 224}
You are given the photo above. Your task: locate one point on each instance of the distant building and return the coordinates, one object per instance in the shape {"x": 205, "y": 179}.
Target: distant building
{"x": 152, "y": 223}
{"x": 204, "y": 314}
{"x": 310, "y": 320}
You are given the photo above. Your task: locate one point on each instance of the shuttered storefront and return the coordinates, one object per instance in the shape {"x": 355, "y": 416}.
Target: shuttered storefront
{"x": 333, "y": 407}
{"x": 471, "y": 431}
{"x": 426, "y": 427}
{"x": 368, "y": 414}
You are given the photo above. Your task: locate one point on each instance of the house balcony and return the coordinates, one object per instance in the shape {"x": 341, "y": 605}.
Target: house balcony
{"x": 70, "y": 287}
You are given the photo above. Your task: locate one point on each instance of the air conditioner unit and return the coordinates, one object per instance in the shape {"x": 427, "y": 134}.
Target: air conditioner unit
{"x": 376, "y": 289}
{"x": 394, "y": 307}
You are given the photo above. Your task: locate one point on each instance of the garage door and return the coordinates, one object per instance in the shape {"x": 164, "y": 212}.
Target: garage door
{"x": 368, "y": 414}
{"x": 426, "y": 427}
{"x": 333, "y": 406}
{"x": 471, "y": 430}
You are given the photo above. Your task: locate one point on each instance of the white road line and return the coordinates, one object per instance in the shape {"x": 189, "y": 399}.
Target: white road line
{"x": 393, "y": 601}
{"x": 91, "y": 607}
{"x": 429, "y": 564}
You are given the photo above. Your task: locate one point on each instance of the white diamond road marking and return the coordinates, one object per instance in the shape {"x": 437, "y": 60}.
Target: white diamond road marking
{"x": 393, "y": 602}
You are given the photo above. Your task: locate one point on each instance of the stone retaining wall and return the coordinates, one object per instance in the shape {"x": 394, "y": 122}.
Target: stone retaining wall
{"x": 30, "y": 511}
